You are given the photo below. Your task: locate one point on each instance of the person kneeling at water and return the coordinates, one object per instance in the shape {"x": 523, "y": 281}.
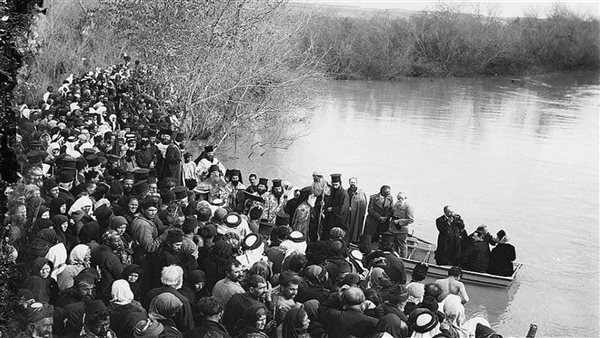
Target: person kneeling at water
{"x": 502, "y": 256}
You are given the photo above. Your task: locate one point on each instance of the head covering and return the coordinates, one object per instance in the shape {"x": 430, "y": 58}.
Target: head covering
{"x": 276, "y": 182}
{"x": 174, "y": 236}
{"x": 117, "y": 221}
{"x": 89, "y": 232}
{"x": 263, "y": 181}
{"x": 416, "y": 291}
{"x": 58, "y": 256}
{"x": 337, "y": 233}
{"x": 38, "y": 311}
{"x": 336, "y": 247}
{"x": 292, "y": 323}
{"x": 195, "y": 277}
{"x": 80, "y": 203}
{"x": 94, "y": 307}
{"x": 252, "y": 242}
{"x": 391, "y": 324}
{"x": 77, "y": 255}
{"x": 164, "y": 306}
{"x": 336, "y": 178}
{"x": 312, "y": 309}
{"x": 121, "y": 292}
{"x": 208, "y": 149}
{"x": 149, "y": 328}
{"x": 453, "y": 308}
{"x": 232, "y": 220}
{"x": 423, "y": 321}
{"x": 180, "y": 192}
{"x": 55, "y": 205}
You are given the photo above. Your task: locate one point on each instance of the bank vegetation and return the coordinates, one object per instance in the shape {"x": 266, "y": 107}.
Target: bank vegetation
{"x": 450, "y": 43}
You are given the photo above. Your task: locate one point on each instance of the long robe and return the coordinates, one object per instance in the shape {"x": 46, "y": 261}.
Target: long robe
{"x": 450, "y": 239}
{"x": 171, "y": 165}
{"x": 356, "y": 218}
{"x": 301, "y": 219}
{"x": 339, "y": 201}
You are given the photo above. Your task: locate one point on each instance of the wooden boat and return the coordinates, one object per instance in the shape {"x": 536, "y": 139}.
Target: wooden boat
{"x": 420, "y": 251}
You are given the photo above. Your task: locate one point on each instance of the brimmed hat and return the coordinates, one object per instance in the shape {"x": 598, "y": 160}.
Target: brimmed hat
{"x": 252, "y": 241}
{"x": 232, "y": 220}
{"x": 180, "y": 192}
{"x": 422, "y": 320}
{"x": 297, "y": 237}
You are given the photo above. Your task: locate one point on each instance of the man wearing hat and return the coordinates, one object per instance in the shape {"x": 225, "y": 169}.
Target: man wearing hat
{"x": 181, "y": 196}
{"x": 319, "y": 190}
{"x": 190, "y": 179}
{"x": 207, "y": 161}
{"x": 97, "y": 321}
{"x": 171, "y": 163}
{"x": 269, "y": 203}
{"x": 39, "y": 321}
{"x": 170, "y": 253}
{"x": 106, "y": 259}
{"x": 351, "y": 321}
{"x": 235, "y": 187}
{"x": 336, "y": 207}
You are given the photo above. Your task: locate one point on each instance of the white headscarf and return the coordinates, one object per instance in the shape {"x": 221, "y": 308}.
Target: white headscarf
{"x": 121, "y": 292}
{"x": 77, "y": 256}
{"x": 58, "y": 256}
{"x": 80, "y": 203}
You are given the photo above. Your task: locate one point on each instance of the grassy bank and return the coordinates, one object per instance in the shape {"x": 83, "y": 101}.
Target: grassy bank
{"x": 450, "y": 43}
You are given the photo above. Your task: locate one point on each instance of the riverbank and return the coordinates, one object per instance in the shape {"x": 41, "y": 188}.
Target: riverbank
{"x": 450, "y": 43}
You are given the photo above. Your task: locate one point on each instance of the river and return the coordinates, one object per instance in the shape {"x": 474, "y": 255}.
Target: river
{"x": 515, "y": 155}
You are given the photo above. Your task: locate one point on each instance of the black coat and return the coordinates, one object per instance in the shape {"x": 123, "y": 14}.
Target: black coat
{"x": 450, "y": 239}
{"x": 476, "y": 256}
{"x": 111, "y": 269}
{"x": 501, "y": 260}
{"x": 209, "y": 328}
{"x": 348, "y": 323}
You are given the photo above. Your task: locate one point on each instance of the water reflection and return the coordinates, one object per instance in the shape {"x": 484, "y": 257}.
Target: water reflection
{"x": 523, "y": 158}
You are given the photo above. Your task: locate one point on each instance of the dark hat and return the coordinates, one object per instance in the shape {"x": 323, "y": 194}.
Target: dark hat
{"x": 265, "y": 228}
{"x": 255, "y": 212}
{"x": 128, "y": 176}
{"x": 208, "y": 149}
{"x": 180, "y": 137}
{"x": 175, "y": 236}
{"x": 103, "y": 212}
{"x": 263, "y": 181}
{"x": 252, "y": 241}
{"x": 141, "y": 174}
{"x": 115, "y": 189}
{"x": 297, "y": 237}
{"x": 336, "y": 247}
{"x": 151, "y": 180}
{"x": 80, "y": 163}
{"x": 36, "y": 156}
{"x": 49, "y": 184}
{"x": 140, "y": 187}
{"x": 281, "y": 218}
{"x": 94, "y": 307}
{"x": 213, "y": 167}
{"x": 93, "y": 160}
{"x": 88, "y": 151}
{"x": 66, "y": 177}
{"x": 167, "y": 195}
{"x": 277, "y": 182}
{"x": 336, "y": 178}
{"x": 422, "y": 320}
{"x": 483, "y": 331}
{"x": 68, "y": 162}
{"x": 232, "y": 220}
{"x": 180, "y": 192}
{"x": 152, "y": 132}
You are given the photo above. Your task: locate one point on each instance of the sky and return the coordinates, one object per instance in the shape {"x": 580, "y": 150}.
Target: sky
{"x": 497, "y": 8}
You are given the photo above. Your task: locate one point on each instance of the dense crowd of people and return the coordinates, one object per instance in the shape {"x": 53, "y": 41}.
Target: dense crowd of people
{"x": 119, "y": 232}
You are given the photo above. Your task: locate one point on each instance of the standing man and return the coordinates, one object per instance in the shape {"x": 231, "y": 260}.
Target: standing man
{"x": 358, "y": 208}
{"x": 319, "y": 190}
{"x": 336, "y": 207}
{"x": 171, "y": 166}
{"x": 378, "y": 213}
{"x": 208, "y": 161}
{"x": 451, "y": 235}
{"x": 402, "y": 216}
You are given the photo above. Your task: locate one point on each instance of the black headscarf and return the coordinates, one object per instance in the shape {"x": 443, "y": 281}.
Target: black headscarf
{"x": 292, "y": 323}
{"x": 55, "y": 205}
{"x": 391, "y": 324}
{"x": 90, "y": 232}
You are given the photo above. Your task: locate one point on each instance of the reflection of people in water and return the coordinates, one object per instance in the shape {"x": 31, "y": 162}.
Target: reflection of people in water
{"x": 502, "y": 256}
{"x": 452, "y": 285}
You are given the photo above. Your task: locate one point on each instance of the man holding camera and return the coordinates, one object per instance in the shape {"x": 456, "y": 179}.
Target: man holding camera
{"x": 451, "y": 235}
{"x": 402, "y": 216}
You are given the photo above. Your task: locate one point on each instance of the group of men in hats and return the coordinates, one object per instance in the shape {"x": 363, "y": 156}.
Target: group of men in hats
{"x": 118, "y": 233}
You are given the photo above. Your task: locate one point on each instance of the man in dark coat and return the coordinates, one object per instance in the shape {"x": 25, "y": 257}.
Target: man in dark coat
{"x": 476, "y": 254}
{"x": 109, "y": 263}
{"x": 351, "y": 321}
{"x": 379, "y": 211}
{"x": 256, "y": 294}
{"x": 167, "y": 255}
{"x": 450, "y": 238}
{"x": 171, "y": 164}
{"x": 337, "y": 206}
{"x": 212, "y": 310}
{"x": 172, "y": 280}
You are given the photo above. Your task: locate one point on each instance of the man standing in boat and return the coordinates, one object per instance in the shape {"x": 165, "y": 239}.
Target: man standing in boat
{"x": 357, "y": 211}
{"x": 378, "y": 212}
{"x": 451, "y": 235}
{"x": 402, "y": 216}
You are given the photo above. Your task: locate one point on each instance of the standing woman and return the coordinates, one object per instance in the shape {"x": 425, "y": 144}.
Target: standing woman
{"x": 79, "y": 259}
{"x": 120, "y": 224}
{"x": 43, "y": 287}
{"x": 253, "y": 323}
{"x": 295, "y": 324}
